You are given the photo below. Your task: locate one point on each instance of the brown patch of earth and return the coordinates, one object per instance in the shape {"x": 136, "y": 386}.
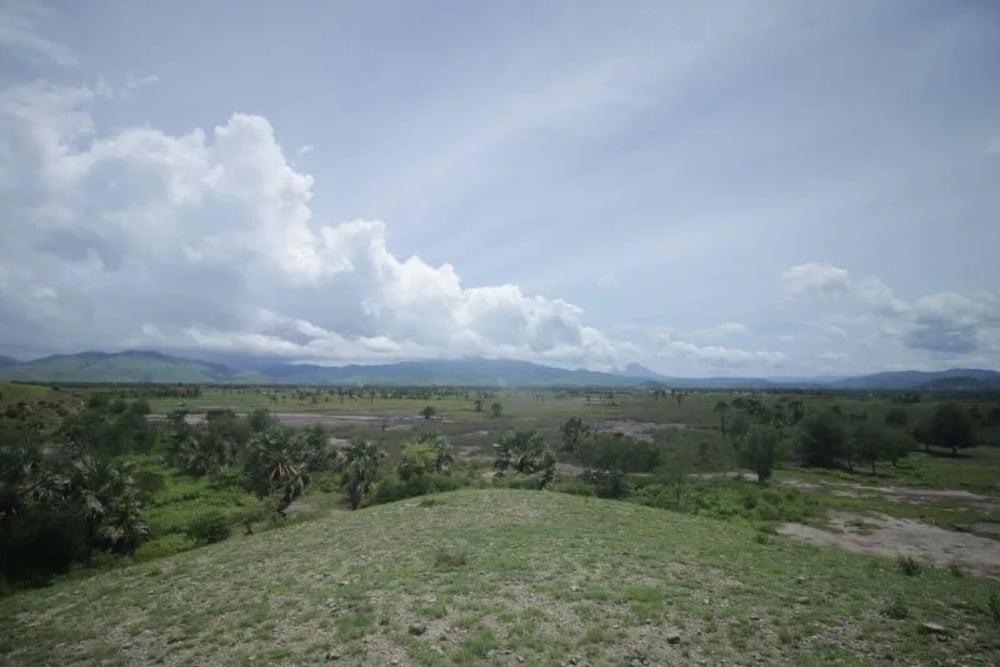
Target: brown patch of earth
{"x": 637, "y": 430}
{"x": 888, "y": 536}
{"x": 902, "y": 494}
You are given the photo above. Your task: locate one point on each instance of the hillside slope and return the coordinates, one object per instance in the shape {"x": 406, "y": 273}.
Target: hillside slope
{"x": 499, "y": 577}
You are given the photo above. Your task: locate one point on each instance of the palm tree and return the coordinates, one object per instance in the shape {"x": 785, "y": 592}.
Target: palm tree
{"x": 104, "y": 495}
{"x": 363, "y": 459}
{"x": 274, "y": 467}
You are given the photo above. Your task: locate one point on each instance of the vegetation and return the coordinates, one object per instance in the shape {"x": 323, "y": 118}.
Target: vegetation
{"x": 127, "y": 475}
{"x": 547, "y": 577}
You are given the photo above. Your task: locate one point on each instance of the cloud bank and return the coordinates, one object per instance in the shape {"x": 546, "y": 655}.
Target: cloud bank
{"x": 207, "y": 240}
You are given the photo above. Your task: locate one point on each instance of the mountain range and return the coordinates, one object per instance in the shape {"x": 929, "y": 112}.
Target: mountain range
{"x": 137, "y": 366}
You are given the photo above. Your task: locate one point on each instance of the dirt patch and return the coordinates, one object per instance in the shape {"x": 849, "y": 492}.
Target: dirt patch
{"x": 636, "y": 430}
{"x": 303, "y": 419}
{"x": 887, "y": 536}
{"x": 902, "y": 494}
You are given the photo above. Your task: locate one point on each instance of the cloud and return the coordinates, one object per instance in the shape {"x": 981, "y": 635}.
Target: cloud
{"x": 304, "y": 150}
{"x": 20, "y": 33}
{"x": 207, "y": 240}
{"x": 715, "y": 355}
{"x": 946, "y": 324}
{"x": 816, "y": 278}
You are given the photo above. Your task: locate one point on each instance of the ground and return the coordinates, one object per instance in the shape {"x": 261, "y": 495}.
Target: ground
{"x": 506, "y": 577}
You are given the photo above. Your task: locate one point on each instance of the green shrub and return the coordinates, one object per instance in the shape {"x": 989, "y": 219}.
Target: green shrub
{"x": 164, "y": 546}
{"x": 909, "y": 566}
{"x": 896, "y": 610}
{"x": 209, "y": 528}
{"x": 391, "y": 489}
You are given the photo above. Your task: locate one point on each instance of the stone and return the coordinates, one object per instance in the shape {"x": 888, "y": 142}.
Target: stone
{"x": 933, "y": 629}
{"x": 673, "y": 638}
{"x": 417, "y": 629}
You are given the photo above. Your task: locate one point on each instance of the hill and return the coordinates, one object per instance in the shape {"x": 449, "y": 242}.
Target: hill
{"x": 155, "y": 367}
{"x": 968, "y": 378}
{"x": 504, "y": 577}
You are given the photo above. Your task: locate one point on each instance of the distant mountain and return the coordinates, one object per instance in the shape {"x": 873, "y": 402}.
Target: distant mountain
{"x": 136, "y": 366}
{"x": 130, "y": 366}
{"x": 949, "y": 380}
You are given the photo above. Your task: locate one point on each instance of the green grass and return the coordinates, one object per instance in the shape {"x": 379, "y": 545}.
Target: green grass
{"x": 547, "y": 577}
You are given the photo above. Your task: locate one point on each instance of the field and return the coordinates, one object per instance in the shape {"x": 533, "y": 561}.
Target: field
{"x": 697, "y": 563}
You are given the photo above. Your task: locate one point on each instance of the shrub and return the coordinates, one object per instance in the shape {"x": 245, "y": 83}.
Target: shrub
{"x": 607, "y": 483}
{"x": 209, "y": 528}
{"x": 167, "y": 545}
{"x": 909, "y": 566}
{"x": 896, "y": 610}
{"x": 449, "y": 559}
{"x": 393, "y": 488}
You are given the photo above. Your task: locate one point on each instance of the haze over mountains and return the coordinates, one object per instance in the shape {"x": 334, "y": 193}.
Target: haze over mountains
{"x": 136, "y": 366}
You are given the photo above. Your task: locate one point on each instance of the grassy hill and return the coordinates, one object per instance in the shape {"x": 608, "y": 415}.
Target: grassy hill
{"x": 505, "y": 577}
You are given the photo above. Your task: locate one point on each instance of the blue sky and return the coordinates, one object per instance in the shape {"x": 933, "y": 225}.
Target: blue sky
{"x": 714, "y": 188}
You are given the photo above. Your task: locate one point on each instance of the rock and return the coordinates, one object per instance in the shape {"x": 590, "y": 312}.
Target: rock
{"x": 520, "y": 658}
{"x": 933, "y": 629}
{"x": 332, "y": 655}
{"x": 673, "y": 638}
{"x": 800, "y": 579}
{"x": 417, "y": 629}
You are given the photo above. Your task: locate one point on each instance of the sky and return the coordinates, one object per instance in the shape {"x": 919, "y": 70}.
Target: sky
{"x": 706, "y": 188}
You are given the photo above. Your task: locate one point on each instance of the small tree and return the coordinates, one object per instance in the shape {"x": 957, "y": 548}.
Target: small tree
{"x": 821, "y": 441}
{"x": 428, "y": 412}
{"x": 363, "y": 458}
{"x": 721, "y": 407}
{"x": 760, "y": 451}
{"x": 427, "y": 455}
{"x": 573, "y": 432}
{"x": 478, "y": 405}
{"x": 951, "y": 428}
{"x": 496, "y": 410}
{"x": 896, "y": 417}
{"x": 275, "y": 467}
{"x": 525, "y": 453}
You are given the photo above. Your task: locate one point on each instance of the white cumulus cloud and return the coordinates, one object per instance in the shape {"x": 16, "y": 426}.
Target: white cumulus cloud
{"x": 207, "y": 240}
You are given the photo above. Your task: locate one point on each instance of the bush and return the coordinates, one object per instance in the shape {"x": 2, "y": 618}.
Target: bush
{"x": 909, "y": 566}
{"x": 896, "y": 610}
{"x": 391, "y": 489}
{"x": 607, "y": 483}
{"x": 167, "y": 545}
{"x": 209, "y": 528}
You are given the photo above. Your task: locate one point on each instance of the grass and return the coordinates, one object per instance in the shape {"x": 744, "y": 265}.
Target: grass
{"x": 546, "y": 577}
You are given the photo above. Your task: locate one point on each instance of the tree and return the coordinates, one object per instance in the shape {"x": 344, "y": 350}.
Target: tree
{"x": 896, "y": 417}
{"x": 738, "y": 427}
{"x": 760, "y": 451}
{"x": 275, "y": 467}
{"x": 573, "y": 432}
{"x": 867, "y": 442}
{"x": 363, "y": 458}
{"x": 103, "y": 494}
{"x": 478, "y": 405}
{"x": 951, "y": 428}
{"x": 496, "y": 410}
{"x": 525, "y": 453}
{"x": 428, "y": 412}
{"x": 821, "y": 441}
{"x": 428, "y": 454}
{"x": 721, "y": 407}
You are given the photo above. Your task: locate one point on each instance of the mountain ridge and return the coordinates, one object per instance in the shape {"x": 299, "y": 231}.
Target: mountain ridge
{"x": 150, "y": 366}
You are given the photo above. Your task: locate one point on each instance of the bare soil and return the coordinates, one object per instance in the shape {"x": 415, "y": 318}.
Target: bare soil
{"x": 888, "y": 536}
